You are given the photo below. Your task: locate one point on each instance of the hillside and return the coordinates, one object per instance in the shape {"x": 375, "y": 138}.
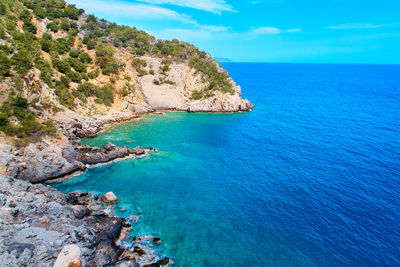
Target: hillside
{"x": 57, "y": 61}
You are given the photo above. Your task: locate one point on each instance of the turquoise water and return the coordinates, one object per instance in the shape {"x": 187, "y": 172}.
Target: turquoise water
{"x": 309, "y": 178}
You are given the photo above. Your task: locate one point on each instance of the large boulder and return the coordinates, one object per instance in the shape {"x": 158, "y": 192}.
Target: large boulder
{"x": 69, "y": 257}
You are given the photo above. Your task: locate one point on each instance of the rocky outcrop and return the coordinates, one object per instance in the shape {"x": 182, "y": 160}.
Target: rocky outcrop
{"x": 47, "y": 161}
{"x": 40, "y": 226}
{"x": 176, "y": 95}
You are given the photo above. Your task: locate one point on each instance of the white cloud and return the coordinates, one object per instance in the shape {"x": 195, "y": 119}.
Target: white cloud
{"x": 349, "y": 26}
{"x": 214, "y": 28}
{"x": 127, "y": 10}
{"x": 214, "y": 6}
{"x": 293, "y": 30}
{"x": 185, "y": 34}
{"x": 266, "y": 30}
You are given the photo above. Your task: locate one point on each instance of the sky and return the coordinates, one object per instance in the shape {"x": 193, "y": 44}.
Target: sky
{"x": 296, "y": 31}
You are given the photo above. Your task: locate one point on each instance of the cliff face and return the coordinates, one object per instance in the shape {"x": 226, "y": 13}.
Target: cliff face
{"x": 65, "y": 74}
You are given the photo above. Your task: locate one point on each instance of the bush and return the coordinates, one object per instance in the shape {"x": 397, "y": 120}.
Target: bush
{"x": 94, "y": 74}
{"x": 74, "y": 76}
{"x": 105, "y": 59}
{"x": 29, "y": 27}
{"x": 65, "y": 25}
{"x": 48, "y": 127}
{"x": 77, "y": 64}
{"x": 91, "y": 45}
{"x": 47, "y": 45}
{"x": 5, "y": 64}
{"x": 87, "y": 88}
{"x": 22, "y": 61}
{"x": 3, "y": 9}
{"x": 64, "y": 96}
{"x": 25, "y": 15}
{"x": 86, "y": 39}
{"x": 52, "y": 26}
{"x": 62, "y": 45}
{"x": 196, "y": 95}
{"x": 46, "y": 71}
{"x": 104, "y": 95}
{"x": 85, "y": 58}
{"x": 65, "y": 81}
{"x": 62, "y": 65}
{"x": 39, "y": 12}
{"x": 4, "y": 119}
{"x": 74, "y": 53}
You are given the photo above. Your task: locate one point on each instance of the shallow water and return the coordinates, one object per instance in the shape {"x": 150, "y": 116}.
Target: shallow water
{"x": 310, "y": 177}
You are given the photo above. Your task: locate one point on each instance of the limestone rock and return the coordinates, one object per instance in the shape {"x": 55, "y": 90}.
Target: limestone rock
{"x": 110, "y": 197}
{"x": 69, "y": 257}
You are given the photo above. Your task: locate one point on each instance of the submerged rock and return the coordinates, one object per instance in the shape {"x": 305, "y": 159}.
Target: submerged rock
{"x": 110, "y": 197}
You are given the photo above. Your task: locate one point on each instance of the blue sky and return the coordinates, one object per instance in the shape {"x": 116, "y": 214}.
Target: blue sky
{"x": 309, "y": 31}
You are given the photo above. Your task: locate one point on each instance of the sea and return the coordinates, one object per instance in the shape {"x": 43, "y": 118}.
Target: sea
{"x": 310, "y": 177}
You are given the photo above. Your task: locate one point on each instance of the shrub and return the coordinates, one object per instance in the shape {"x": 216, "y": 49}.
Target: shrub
{"x": 72, "y": 12}
{"x": 46, "y": 71}
{"x": 65, "y": 25}
{"x": 62, "y": 65}
{"x": 91, "y": 45}
{"x": 47, "y": 45}
{"x": 74, "y": 76}
{"x": 77, "y": 64}
{"x": 85, "y": 58}
{"x": 74, "y": 53}
{"x": 48, "y": 127}
{"x": 169, "y": 82}
{"x": 87, "y": 89}
{"x": 196, "y": 95}
{"x": 5, "y": 64}
{"x": 25, "y": 15}
{"x": 62, "y": 45}
{"x": 52, "y": 26}
{"x": 39, "y": 12}
{"x": 22, "y": 61}
{"x": 84, "y": 76}
{"x": 29, "y": 27}
{"x": 104, "y": 95}
{"x": 104, "y": 58}
{"x": 64, "y": 96}
{"x": 3, "y": 9}
{"x": 86, "y": 39}
{"x": 4, "y": 119}
{"x": 94, "y": 74}
{"x": 65, "y": 81}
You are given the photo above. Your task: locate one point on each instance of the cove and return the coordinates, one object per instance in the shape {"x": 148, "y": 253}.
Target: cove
{"x": 309, "y": 178}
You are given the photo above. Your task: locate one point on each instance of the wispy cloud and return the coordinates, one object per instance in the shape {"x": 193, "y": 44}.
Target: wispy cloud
{"x": 266, "y": 31}
{"x": 350, "y": 26}
{"x": 139, "y": 11}
{"x": 272, "y": 31}
{"x": 146, "y": 12}
{"x": 293, "y": 30}
{"x": 215, "y": 28}
{"x": 214, "y": 6}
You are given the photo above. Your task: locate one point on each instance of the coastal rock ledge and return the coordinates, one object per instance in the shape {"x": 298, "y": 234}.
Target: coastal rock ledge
{"x": 39, "y": 226}
{"x": 46, "y": 161}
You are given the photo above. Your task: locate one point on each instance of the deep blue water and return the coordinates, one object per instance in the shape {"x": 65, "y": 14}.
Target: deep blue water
{"x": 311, "y": 177}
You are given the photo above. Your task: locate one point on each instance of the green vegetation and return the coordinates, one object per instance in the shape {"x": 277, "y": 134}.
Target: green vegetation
{"x": 105, "y": 95}
{"x": 16, "y": 119}
{"x": 65, "y": 65}
{"x": 105, "y": 59}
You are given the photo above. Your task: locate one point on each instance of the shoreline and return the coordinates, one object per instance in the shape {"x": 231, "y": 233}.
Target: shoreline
{"x": 78, "y": 158}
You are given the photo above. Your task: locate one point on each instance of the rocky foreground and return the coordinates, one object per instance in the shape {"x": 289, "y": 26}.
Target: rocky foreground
{"x": 40, "y": 226}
